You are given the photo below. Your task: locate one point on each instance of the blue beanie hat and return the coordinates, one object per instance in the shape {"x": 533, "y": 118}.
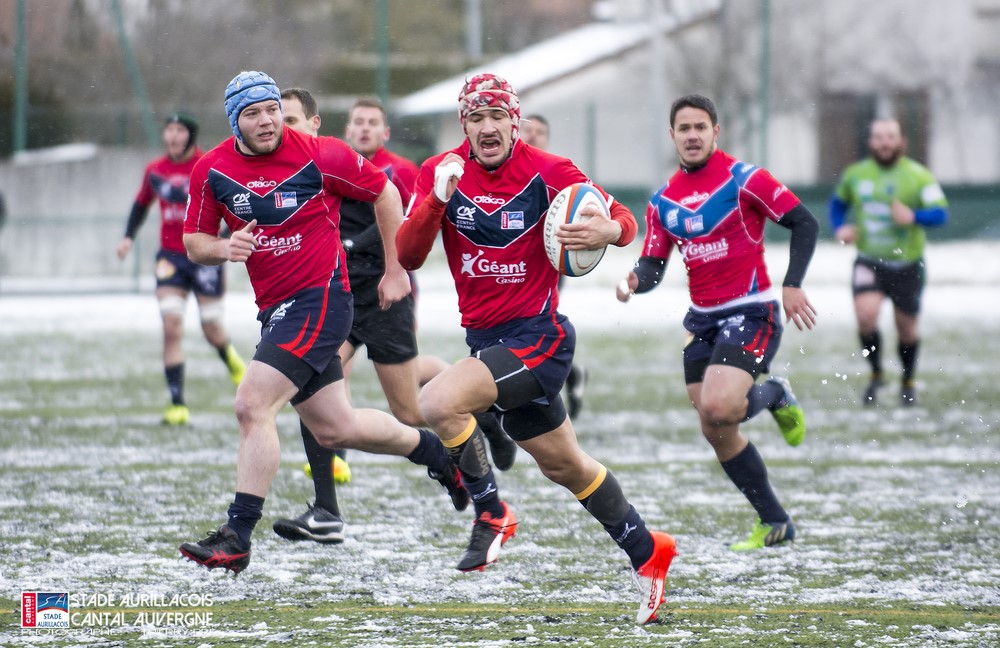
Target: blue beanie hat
{"x": 248, "y": 88}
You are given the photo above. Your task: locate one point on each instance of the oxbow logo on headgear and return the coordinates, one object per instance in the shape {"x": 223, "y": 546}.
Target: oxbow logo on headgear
{"x": 261, "y": 183}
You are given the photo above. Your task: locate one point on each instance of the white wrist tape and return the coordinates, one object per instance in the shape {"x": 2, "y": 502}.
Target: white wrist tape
{"x": 444, "y": 174}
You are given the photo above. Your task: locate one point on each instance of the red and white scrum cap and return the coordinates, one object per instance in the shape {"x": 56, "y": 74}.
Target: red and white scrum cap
{"x": 489, "y": 91}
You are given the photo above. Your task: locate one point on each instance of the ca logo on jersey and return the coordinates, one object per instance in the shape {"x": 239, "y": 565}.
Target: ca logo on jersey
{"x": 241, "y": 205}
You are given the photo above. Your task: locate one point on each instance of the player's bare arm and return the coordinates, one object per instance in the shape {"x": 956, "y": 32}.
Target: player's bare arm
{"x": 395, "y": 283}
{"x": 208, "y": 249}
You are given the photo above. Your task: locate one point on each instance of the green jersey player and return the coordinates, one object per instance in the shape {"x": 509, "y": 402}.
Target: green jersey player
{"x": 883, "y": 204}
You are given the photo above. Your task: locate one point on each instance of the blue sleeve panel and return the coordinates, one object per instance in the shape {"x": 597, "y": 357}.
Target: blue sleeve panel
{"x": 837, "y": 210}
{"x": 931, "y": 217}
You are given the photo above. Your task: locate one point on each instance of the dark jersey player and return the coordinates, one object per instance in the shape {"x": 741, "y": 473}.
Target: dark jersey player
{"x": 166, "y": 181}
{"x": 488, "y": 198}
{"x": 279, "y": 192}
{"x": 713, "y": 210}
{"x": 389, "y": 334}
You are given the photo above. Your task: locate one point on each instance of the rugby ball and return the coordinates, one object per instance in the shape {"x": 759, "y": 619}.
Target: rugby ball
{"x": 565, "y": 208}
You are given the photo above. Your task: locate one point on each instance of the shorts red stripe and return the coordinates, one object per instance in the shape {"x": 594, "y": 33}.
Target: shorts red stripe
{"x": 760, "y": 342}
{"x": 296, "y": 347}
{"x": 534, "y": 355}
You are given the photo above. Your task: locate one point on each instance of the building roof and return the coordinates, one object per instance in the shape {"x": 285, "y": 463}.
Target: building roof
{"x": 554, "y": 58}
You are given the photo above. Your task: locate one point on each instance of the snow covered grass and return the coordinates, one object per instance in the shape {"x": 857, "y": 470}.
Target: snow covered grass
{"x": 897, "y": 508}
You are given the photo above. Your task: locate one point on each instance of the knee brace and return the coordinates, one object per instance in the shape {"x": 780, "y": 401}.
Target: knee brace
{"x": 211, "y": 312}
{"x": 172, "y": 305}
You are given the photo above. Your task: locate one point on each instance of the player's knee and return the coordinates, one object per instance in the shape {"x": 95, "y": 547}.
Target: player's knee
{"x": 434, "y": 405}
{"x": 244, "y": 409}
{"x": 250, "y": 414}
{"x": 330, "y": 438}
{"x": 560, "y": 468}
{"x": 722, "y": 411}
{"x": 409, "y": 415}
{"x": 559, "y": 472}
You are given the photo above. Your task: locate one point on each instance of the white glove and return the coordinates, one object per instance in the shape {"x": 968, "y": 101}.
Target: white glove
{"x": 442, "y": 176}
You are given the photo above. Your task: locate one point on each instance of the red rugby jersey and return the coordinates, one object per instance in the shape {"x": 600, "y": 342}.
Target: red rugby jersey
{"x": 715, "y": 216}
{"x": 294, "y": 193}
{"x": 492, "y": 230}
{"x": 401, "y": 171}
{"x": 168, "y": 181}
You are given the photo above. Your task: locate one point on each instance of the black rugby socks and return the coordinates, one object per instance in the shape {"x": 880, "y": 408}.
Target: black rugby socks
{"x": 748, "y": 472}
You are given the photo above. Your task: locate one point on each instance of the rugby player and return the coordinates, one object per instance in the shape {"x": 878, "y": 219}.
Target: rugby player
{"x": 279, "y": 192}
{"x": 889, "y": 200}
{"x": 166, "y": 179}
{"x": 713, "y": 209}
{"x": 488, "y": 198}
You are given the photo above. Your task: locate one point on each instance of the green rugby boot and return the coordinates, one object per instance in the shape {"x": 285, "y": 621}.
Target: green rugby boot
{"x": 767, "y": 535}
{"x": 237, "y": 368}
{"x": 176, "y": 415}
{"x": 788, "y": 414}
